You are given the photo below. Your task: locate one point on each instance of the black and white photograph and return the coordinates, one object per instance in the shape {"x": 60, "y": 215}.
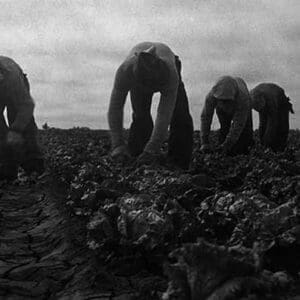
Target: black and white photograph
{"x": 150, "y": 149}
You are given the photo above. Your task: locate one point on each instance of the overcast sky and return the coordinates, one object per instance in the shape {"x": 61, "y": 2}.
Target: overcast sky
{"x": 71, "y": 49}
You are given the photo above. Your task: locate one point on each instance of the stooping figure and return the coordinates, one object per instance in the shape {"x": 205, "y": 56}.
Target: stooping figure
{"x": 230, "y": 97}
{"x": 150, "y": 68}
{"x": 273, "y": 106}
{"x": 18, "y": 138}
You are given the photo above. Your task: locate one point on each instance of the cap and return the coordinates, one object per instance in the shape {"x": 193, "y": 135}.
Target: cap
{"x": 225, "y": 89}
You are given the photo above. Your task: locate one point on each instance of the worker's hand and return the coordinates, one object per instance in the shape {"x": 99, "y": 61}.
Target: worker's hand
{"x": 205, "y": 148}
{"x": 120, "y": 154}
{"x": 14, "y": 139}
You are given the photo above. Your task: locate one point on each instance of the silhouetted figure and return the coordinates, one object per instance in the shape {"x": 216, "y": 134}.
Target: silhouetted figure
{"x": 231, "y": 99}
{"x": 150, "y": 68}
{"x": 18, "y": 139}
{"x": 45, "y": 126}
{"x": 273, "y": 106}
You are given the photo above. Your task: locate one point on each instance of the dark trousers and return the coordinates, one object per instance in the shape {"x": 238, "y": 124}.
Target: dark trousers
{"x": 29, "y": 156}
{"x": 273, "y": 136}
{"x": 245, "y": 140}
{"x": 181, "y": 128}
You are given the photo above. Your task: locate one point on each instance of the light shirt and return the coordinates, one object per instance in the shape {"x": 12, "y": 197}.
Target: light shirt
{"x": 238, "y": 92}
{"x": 125, "y": 81}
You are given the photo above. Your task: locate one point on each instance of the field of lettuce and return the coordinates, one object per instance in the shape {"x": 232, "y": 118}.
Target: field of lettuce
{"x": 226, "y": 229}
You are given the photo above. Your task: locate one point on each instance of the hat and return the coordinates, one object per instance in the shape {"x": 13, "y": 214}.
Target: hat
{"x": 225, "y": 88}
{"x": 151, "y": 70}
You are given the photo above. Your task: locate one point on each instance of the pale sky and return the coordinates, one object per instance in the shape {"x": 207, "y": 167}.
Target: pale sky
{"x": 71, "y": 49}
